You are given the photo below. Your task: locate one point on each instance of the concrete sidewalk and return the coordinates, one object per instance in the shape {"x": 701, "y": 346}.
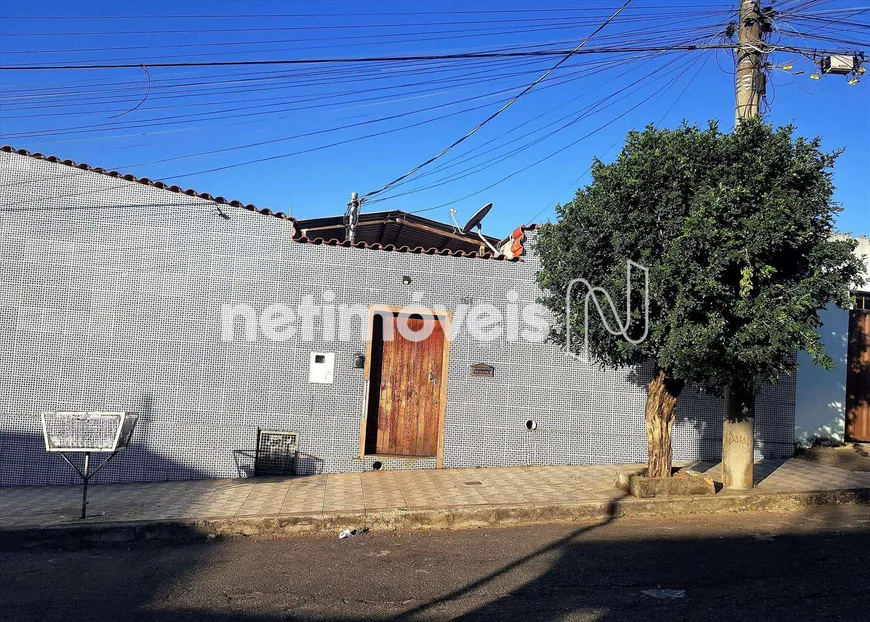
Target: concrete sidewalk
{"x": 408, "y": 499}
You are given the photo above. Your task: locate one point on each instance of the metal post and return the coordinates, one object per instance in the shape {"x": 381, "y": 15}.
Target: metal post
{"x": 86, "y": 476}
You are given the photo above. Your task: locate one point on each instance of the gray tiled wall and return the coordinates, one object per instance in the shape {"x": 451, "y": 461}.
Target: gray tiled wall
{"x": 110, "y": 297}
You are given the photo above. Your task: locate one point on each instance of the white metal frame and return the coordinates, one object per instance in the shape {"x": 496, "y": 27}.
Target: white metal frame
{"x": 85, "y": 473}
{"x": 123, "y": 418}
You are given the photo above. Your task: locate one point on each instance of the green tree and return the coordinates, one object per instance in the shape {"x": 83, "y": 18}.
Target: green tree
{"x": 737, "y": 232}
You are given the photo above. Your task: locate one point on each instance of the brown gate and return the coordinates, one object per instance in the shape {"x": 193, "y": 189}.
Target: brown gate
{"x": 858, "y": 377}
{"x": 405, "y": 387}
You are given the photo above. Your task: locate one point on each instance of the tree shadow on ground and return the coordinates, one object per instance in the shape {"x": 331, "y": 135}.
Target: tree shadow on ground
{"x": 25, "y": 462}
{"x": 515, "y": 574}
{"x": 761, "y": 471}
{"x": 850, "y": 457}
{"x": 726, "y": 578}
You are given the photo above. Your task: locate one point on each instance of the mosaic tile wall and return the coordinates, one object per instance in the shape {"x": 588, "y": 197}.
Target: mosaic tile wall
{"x": 110, "y": 299}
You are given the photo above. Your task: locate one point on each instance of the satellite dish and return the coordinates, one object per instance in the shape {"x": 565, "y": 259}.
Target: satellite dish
{"x": 478, "y": 217}
{"x": 474, "y": 222}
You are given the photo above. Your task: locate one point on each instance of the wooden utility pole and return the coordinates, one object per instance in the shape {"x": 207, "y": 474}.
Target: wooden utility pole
{"x": 738, "y": 428}
{"x": 749, "y": 81}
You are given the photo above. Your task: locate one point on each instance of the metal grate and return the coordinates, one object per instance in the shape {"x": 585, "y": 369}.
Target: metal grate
{"x": 276, "y": 452}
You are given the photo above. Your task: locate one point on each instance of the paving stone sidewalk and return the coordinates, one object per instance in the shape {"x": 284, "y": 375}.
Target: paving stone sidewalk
{"x": 374, "y": 492}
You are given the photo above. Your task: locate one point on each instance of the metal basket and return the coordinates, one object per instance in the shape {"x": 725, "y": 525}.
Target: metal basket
{"x": 88, "y": 431}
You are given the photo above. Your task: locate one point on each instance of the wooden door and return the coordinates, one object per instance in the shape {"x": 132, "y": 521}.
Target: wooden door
{"x": 858, "y": 377}
{"x": 409, "y": 400}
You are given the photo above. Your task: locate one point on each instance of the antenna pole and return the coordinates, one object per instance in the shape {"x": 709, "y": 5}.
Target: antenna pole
{"x": 485, "y": 241}
{"x": 351, "y": 218}
{"x": 453, "y": 218}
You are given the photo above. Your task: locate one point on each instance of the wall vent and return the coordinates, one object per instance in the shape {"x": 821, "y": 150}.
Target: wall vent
{"x": 277, "y": 451}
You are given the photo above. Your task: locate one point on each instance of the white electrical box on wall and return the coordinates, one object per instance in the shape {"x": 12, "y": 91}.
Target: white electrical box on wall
{"x": 322, "y": 367}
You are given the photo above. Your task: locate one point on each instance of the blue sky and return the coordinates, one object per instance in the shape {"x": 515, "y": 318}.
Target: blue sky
{"x": 333, "y": 128}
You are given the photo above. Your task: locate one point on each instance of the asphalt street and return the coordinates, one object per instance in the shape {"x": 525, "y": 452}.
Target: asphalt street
{"x": 811, "y": 565}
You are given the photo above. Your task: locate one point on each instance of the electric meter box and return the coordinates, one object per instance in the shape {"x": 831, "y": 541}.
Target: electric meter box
{"x": 321, "y": 368}
{"x": 840, "y": 64}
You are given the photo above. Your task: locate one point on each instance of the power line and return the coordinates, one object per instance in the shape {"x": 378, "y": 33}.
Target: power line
{"x": 545, "y": 158}
{"x": 367, "y": 59}
{"x": 331, "y": 42}
{"x": 180, "y": 119}
{"x": 625, "y": 42}
{"x": 574, "y": 183}
{"x": 661, "y": 93}
{"x": 331, "y": 39}
{"x": 588, "y": 111}
{"x": 334, "y": 15}
{"x": 342, "y": 142}
{"x": 337, "y": 143}
{"x": 456, "y": 160}
{"x": 507, "y": 105}
{"x": 475, "y": 77}
{"x": 62, "y": 93}
{"x": 591, "y": 109}
{"x": 392, "y": 59}
{"x": 223, "y": 49}
{"x": 599, "y": 67}
{"x": 246, "y": 76}
{"x": 602, "y": 13}
{"x": 623, "y": 50}
{"x": 269, "y": 158}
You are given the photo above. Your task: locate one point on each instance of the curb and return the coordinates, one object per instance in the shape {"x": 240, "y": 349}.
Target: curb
{"x": 400, "y": 520}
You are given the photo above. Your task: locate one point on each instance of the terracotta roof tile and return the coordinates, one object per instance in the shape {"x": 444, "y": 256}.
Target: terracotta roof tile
{"x": 144, "y": 181}
{"x": 516, "y": 248}
{"x": 419, "y": 250}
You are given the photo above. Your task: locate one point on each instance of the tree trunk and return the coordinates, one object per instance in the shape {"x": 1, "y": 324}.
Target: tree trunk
{"x": 661, "y": 400}
{"x": 738, "y": 439}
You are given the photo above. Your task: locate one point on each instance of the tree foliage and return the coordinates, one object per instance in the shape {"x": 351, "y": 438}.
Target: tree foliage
{"x": 737, "y": 231}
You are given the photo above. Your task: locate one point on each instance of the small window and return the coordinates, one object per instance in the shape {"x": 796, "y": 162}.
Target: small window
{"x": 862, "y": 301}
{"x": 320, "y": 358}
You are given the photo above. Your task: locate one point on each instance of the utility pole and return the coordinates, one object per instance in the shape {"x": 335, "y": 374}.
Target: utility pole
{"x": 738, "y": 427}
{"x": 749, "y": 81}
